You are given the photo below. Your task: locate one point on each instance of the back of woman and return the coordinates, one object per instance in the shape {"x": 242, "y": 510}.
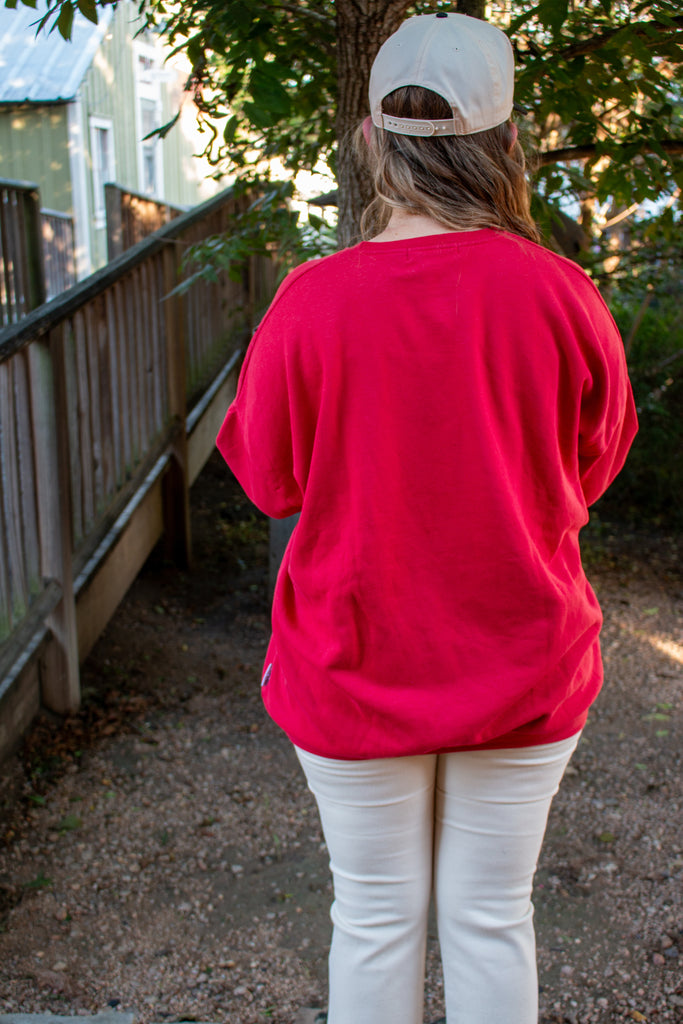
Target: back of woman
{"x": 441, "y": 403}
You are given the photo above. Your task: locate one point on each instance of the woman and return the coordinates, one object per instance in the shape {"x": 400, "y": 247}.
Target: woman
{"x": 441, "y": 403}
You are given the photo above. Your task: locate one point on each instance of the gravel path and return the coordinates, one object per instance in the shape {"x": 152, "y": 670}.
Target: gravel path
{"x": 160, "y": 853}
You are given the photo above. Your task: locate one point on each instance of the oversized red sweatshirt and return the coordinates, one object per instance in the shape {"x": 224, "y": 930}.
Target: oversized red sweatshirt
{"x": 441, "y": 411}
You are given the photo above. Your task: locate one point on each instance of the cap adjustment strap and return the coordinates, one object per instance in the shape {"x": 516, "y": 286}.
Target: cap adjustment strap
{"x": 413, "y": 126}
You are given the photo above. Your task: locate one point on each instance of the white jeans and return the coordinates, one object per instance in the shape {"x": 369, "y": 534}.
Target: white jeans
{"x": 466, "y": 827}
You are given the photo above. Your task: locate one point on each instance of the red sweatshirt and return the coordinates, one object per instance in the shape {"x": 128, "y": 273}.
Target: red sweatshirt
{"x": 441, "y": 411}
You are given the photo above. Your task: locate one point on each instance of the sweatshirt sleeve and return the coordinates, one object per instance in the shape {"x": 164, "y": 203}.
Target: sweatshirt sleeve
{"x": 257, "y": 438}
{"x": 608, "y": 415}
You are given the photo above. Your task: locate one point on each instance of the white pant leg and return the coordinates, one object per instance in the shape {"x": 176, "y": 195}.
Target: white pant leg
{"x": 377, "y": 818}
{"x": 491, "y": 812}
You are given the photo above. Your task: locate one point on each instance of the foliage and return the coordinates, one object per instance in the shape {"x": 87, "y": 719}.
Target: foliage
{"x": 268, "y": 227}
{"x": 600, "y": 82}
{"x": 599, "y": 74}
{"x": 265, "y": 72}
{"x": 650, "y": 488}
{"x": 597, "y": 80}
{"x": 644, "y": 297}
{"x": 60, "y": 15}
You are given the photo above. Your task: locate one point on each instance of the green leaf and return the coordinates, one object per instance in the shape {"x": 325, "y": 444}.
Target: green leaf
{"x": 553, "y": 14}
{"x": 12, "y": 4}
{"x": 664, "y": 19}
{"x": 269, "y": 94}
{"x": 195, "y": 49}
{"x": 165, "y": 128}
{"x": 88, "y": 9}
{"x": 70, "y": 823}
{"x": 65, "y": 20}
{"x": 259, "y": 117}
{"x": 230, "y": 129}
{"x": 41, "y": 881}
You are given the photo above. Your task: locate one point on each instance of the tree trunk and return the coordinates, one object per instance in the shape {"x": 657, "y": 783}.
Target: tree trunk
{"x": 362, "y": 27}
{"x": 474, "y": 8}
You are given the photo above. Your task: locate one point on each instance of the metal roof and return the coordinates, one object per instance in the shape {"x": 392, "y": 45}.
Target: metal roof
{"x": 45, "y": 68}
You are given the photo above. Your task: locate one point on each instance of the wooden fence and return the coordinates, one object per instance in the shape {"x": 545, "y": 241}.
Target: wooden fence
{"x": 22, "y": 284}
{"x": 36, "y": 251}
{"x": 110, "y": 399}
{"x": 132, "y": 217}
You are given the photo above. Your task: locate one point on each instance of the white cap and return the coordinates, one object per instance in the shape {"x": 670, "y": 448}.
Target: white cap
{"x": 467, "y": 61}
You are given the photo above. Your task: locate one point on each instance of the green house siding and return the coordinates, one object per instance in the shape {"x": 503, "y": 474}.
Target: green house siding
{"x": 71, "y": 149}
{"x": 34, "y": 146}
{"x": 109, "y": 93}
{"x": 186, "y": 176}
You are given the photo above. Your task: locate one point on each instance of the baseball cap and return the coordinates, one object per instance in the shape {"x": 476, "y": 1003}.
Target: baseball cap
{"x": 467, "y": 61}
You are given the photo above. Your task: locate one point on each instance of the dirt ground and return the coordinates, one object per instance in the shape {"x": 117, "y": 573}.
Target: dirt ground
{"x": 159, "y": 851}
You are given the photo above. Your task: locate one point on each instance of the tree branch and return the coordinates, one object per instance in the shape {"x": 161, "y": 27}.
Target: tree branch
{"x": 674, "y": 147}
{"x": 670, "y": 359}
{"x": 306, "y": 12}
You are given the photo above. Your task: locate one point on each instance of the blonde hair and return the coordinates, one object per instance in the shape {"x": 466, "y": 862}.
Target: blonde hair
{"x": 464, "y": 182}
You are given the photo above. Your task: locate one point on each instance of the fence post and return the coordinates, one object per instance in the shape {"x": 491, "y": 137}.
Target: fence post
{"x": 176, "y": 481}
{"x": 60, "y": 678}
{"x": 33, "y": 251}
{"x": 114, "y": 220}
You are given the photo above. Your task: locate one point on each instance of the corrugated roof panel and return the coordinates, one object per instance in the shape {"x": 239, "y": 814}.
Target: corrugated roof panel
{"x": 45, "y": 68}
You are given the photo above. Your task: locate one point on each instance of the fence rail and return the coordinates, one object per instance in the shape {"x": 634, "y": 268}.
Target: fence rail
{"x": 110, "y": 398}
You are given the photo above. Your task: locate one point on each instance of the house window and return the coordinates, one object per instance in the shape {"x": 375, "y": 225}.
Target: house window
{"x": 148, "y": 77}
{"x": 150, "y": 148}
{"x": 103, "y": 164}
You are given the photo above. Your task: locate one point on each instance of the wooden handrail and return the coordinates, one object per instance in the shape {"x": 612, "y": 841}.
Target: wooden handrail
{"x": 24, "y": 186}
{"x": 57, "y": 214}
{"x": 111, "y": 396}
{"x": 146, "y": 198}
{"x": 43, "y": 319}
